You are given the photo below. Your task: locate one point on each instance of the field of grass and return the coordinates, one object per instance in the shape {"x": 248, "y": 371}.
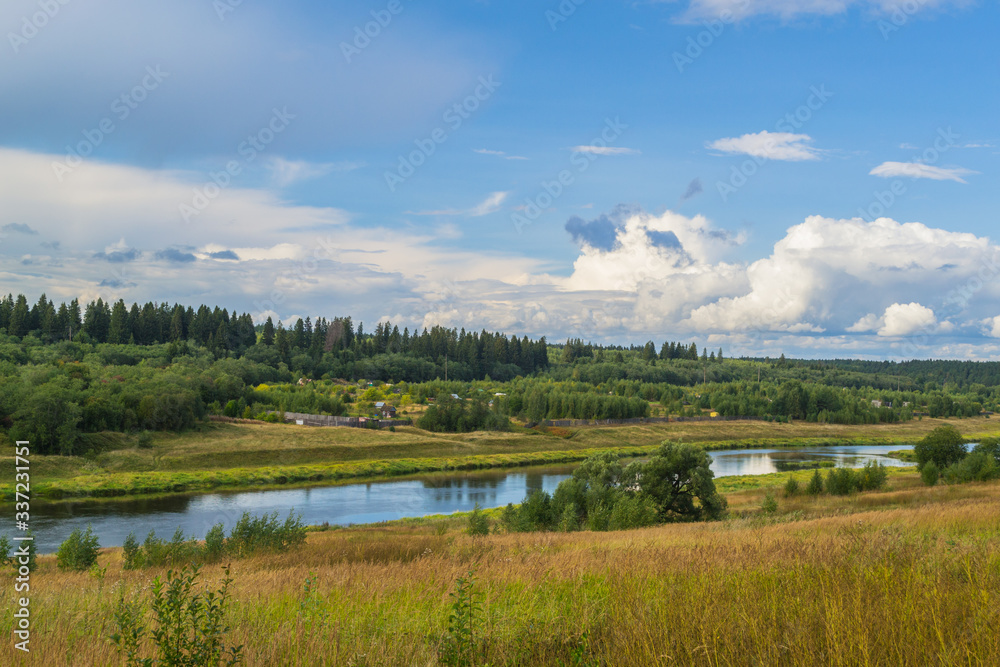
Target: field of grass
{"x": 905, "y": 576}
{"x": 229, "y": 456}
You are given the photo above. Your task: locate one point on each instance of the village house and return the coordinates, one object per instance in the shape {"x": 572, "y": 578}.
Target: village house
{"x": 385, "y": 411}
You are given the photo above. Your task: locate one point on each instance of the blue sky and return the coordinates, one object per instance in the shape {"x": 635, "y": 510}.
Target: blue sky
{"x": 811, "y": 177}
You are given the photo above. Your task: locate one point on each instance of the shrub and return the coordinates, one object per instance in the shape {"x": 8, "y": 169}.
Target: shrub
{"x": 930, "y": 473}
{"x": 792, "y": 487}
{"x": 944, "y": 445}
{"x": 459, "y": 646}
{"x": 769, "y": 505}
{"x": 131, "y": 553}
{"x": 479, "y": 524}
{"x": 189, "y": 626}
{"x": 215, "y": 543}
{"x": 264, "y": 533}
{"x": 976, "y": 467}
{"x": 78, "y": 552}
{"x": 815, "y": 486}
{"x": 631, "y": 511}
{"x": 841, "y": 481}
{"x": 872, "y": 477}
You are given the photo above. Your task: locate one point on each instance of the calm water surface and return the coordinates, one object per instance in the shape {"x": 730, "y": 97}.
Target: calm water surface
{"x": 437, "y": 493}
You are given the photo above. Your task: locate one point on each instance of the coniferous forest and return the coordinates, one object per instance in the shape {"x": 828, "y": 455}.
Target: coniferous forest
{"x": 70, "y": 371}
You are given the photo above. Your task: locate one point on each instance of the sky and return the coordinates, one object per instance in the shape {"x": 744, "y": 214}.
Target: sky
{"x": 807, "y": 177}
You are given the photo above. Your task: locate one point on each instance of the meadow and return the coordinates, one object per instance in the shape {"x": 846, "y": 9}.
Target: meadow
{"x": 905, "y": 576}
{"x": 217, "y": 456}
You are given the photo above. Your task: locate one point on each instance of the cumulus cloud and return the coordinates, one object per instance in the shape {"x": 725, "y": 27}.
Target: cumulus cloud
{"x": 224, "y": 254}
{"x": 920, "y": 170}
{"x": 905, "y": 319}
{"x": 852, "y": 276}
{"x": 769, "y": 146}
{"x": 992, "y": 326}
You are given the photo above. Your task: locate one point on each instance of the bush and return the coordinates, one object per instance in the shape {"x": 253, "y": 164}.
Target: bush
{"x": 815, "y": 486}
{"x": 631, "y": 511}
{"x": 769, "y": 505}
{"x": 78, "y": 552}
{"x": 215, "y": 543}
{"x": 976, "y": 467}
{"x": 944, "y": 446}
{"x": 930, "y": 473}
{"x": 872, "y": 477}
{"x": 131, "y": 553}
{"x": 479, "y": 524}
{"x": 792, "y": 487}
{"x": 189, "y": 626}
{"x": 253, "y": 534}
{"x": 841, "y": 481}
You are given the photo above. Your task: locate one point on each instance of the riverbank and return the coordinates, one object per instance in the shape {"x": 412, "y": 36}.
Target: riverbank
{"x": 907, "y": 575}
{"x": 224, "y": 457}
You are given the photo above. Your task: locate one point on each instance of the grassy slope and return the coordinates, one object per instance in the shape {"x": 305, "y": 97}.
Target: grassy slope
{"x": 232, "y": 456}
{"x": 906, "y": 576}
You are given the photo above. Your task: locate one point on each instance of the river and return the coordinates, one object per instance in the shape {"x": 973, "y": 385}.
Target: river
{"x": 397, "y": 498}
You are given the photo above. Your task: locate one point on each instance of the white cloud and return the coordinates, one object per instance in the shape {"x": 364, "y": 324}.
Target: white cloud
{"x": 605, "y": 150}
{"x": 790, "y": 9}
{"x": 285, "y": 172}
{"x": 920, "y": 170}
{"x": 905, "y": 319}
{"x": 836, "y": 274}
{"x": 486, "y": 151}
{"x": 993, "y": 326}
{"x": 489, "y": 205}
{"x": 769, "y": 145}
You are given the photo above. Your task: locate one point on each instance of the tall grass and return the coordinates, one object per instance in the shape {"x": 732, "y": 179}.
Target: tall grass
{"x": 906, "y": 576}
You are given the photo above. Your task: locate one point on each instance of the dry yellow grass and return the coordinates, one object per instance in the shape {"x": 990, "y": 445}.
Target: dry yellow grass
{"x": 908, "y": 576}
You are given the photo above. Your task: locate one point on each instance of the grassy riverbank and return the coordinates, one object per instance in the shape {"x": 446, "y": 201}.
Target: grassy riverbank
{"x": 905, "y": 576}
{"x": 234, "y": 456}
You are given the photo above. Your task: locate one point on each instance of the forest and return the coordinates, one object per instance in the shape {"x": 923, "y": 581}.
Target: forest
{"x": 71, "y": 372}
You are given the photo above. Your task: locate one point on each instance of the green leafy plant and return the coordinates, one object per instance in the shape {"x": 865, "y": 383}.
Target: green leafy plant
{"x": 769, "y": 505}
{"x": 78, "y": 552}
{"x": 189, "y": 629}
{"x": 132, "y": 556}
{"x": 930, "y": 473}
{"x": 459, "y": 646}
{"x": 791, "y": 487}
{"x": 815, "y": 486}
{"x": 479, "y": 523}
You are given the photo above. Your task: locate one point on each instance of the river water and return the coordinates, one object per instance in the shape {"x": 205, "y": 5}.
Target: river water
{"x": 435, "y": 493}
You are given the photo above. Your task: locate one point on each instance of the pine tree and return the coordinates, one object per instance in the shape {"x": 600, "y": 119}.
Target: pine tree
{"x": 268, "y": 336}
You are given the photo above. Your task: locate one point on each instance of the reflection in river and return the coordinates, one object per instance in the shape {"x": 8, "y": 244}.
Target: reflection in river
{"x": 436, "y": 493}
